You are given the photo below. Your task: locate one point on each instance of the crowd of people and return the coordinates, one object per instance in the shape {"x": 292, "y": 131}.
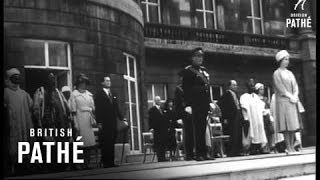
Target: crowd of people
{"x": 50, "y": 107}
{"x": 254, "y": 123}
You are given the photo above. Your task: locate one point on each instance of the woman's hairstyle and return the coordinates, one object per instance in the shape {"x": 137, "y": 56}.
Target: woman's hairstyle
{"x": 81, "y": 78}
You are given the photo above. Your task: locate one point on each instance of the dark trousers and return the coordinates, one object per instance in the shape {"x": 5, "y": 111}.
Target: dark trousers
{"x": 161, "y": 153}
{"x": 188, "y": 135}
{"x": 199, "y": 116}
{"x": 160, "y": 143}
{"x": 107, "y": 149}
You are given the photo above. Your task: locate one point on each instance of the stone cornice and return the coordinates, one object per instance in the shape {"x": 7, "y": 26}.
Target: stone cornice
{"x": 214, "y": 47}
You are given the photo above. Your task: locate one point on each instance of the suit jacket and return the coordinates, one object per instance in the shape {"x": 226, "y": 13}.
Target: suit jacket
{"x": 228, "y": 106}
{"x": 196, "y": 87}
{"x": 159, "y": 123}
{"x": 107, "y": 111}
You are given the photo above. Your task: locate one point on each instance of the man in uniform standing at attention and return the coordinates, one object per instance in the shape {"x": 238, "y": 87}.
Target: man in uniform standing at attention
{"x": 195, "y": 85}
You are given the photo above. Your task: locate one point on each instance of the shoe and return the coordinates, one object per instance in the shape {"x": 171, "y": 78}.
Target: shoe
{"x": 209, "y": 158}
{"x": 200, "y": 158}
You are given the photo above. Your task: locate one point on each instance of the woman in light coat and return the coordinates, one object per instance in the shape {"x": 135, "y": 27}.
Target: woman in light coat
{"x": 286, "y": 95}
{"x": 82, "y": 107}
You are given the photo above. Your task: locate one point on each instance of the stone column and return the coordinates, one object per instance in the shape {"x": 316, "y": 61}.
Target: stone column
{"x": 308, "y": 58}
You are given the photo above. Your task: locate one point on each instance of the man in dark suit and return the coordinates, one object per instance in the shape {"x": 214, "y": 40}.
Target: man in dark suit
{"x": 186, "y": 118}
{"x": 107, "y": 113}
{"x": 159, "y": 126}
{"x": 232, "y": 118}
{"x": 195, "y": 85}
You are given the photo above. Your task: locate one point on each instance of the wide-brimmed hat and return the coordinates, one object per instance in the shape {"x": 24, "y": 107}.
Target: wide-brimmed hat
{"x": 82, "y": 78}
{"x": 281, "y": 54}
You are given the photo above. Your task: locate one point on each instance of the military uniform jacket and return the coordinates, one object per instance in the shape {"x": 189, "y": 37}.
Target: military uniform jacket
{"x": 195, "y": 85}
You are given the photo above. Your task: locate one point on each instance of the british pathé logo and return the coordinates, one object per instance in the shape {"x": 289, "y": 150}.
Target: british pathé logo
{"x": 300, "y": 2}
{"x": 299, "y": 19}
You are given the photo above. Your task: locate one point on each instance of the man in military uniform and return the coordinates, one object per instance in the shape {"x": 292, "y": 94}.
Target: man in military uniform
{"x": 195, "y": 85}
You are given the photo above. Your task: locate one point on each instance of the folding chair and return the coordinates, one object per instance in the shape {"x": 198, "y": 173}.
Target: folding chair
{"x": 147, "y": 138}
{"x": 179, "y": 140}
{"x": 217, "y": 137}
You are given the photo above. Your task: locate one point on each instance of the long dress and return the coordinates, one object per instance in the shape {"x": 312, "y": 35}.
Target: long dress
{"x": 18, "y": 104}
{"x": 286, "y": 112}
{"x": 254, "y": 113}
{"x": 83, "y": 105}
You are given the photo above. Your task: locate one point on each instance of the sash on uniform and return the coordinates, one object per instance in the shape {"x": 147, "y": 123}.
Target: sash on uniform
{"x": 204, "y": 79}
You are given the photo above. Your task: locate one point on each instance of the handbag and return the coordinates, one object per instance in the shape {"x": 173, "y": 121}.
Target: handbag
{"x": 93, "y": 121}
{"x": 122, "y": 125}
{"x": 300, "y": 107}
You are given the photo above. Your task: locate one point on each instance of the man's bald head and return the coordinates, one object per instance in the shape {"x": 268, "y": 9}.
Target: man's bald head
{"x": 157, "y": 100}
{"x": 233, "y": 85}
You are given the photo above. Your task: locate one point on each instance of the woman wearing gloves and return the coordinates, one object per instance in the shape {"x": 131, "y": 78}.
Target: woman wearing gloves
{"x": 82, "y": 107}
{"x": 286, "y": 95}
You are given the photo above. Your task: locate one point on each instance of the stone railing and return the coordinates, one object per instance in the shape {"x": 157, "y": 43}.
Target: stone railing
{"x": 214, "y": 36}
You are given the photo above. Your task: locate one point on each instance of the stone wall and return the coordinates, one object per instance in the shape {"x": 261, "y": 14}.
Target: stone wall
{"x": 99, "y": 32}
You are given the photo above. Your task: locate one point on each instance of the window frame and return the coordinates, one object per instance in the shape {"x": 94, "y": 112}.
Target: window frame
{"x": 134, "y": 79}
{"x": 254, "y": 18}
{"x": 165, "y": 86}
{"x": 204, "y": 12}
{"x": 221, "y": 91}
{"x": 47, "y": 60}
{"x": 147, "y": 3}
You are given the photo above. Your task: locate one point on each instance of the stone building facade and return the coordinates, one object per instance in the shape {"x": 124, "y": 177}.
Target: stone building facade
{"x": 143, "y": 44}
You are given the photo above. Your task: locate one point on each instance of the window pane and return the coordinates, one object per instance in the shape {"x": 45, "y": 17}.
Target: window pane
{"x": 153, "y": 14}
{"x": 149, "y": 92}
{"x": 210, "y": 20}
{"x": 159, "y": 91}
{"x": 58, "y": 54}
{"x": 134, "y": 115}
{"x": 153, "y": 1}
{"x": 257, "y": 25}
{"x": 143, "y": 8}
{"x": 127, "y": 112}
{"x": 131, "y": 65}
{"x": 133, "y": 92}
{"x": 198, "y": 4}
{"x": 33, "y": 52}
{"x": 256, "y": 8}
{"x": 126, "y": 94}
{"x": 208, "y": 4}
{"x": 247, "y": 26}
{"x": 136, "y": 140}
{"x": 199, "y": 20}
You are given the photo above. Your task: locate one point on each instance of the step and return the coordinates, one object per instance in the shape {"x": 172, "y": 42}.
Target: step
{"x": 270, "y": 166}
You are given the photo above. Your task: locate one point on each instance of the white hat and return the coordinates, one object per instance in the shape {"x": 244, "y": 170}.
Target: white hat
{"x": 12, "y": 72}
{"x": 258, "y": 86}
{"x": 65, "y": 89}
{"x": 281, "y": 54}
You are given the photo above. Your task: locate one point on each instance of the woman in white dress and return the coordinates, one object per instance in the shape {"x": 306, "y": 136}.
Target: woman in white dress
{"x": 82, "y": 107}
{"x": 286, "y": 96}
